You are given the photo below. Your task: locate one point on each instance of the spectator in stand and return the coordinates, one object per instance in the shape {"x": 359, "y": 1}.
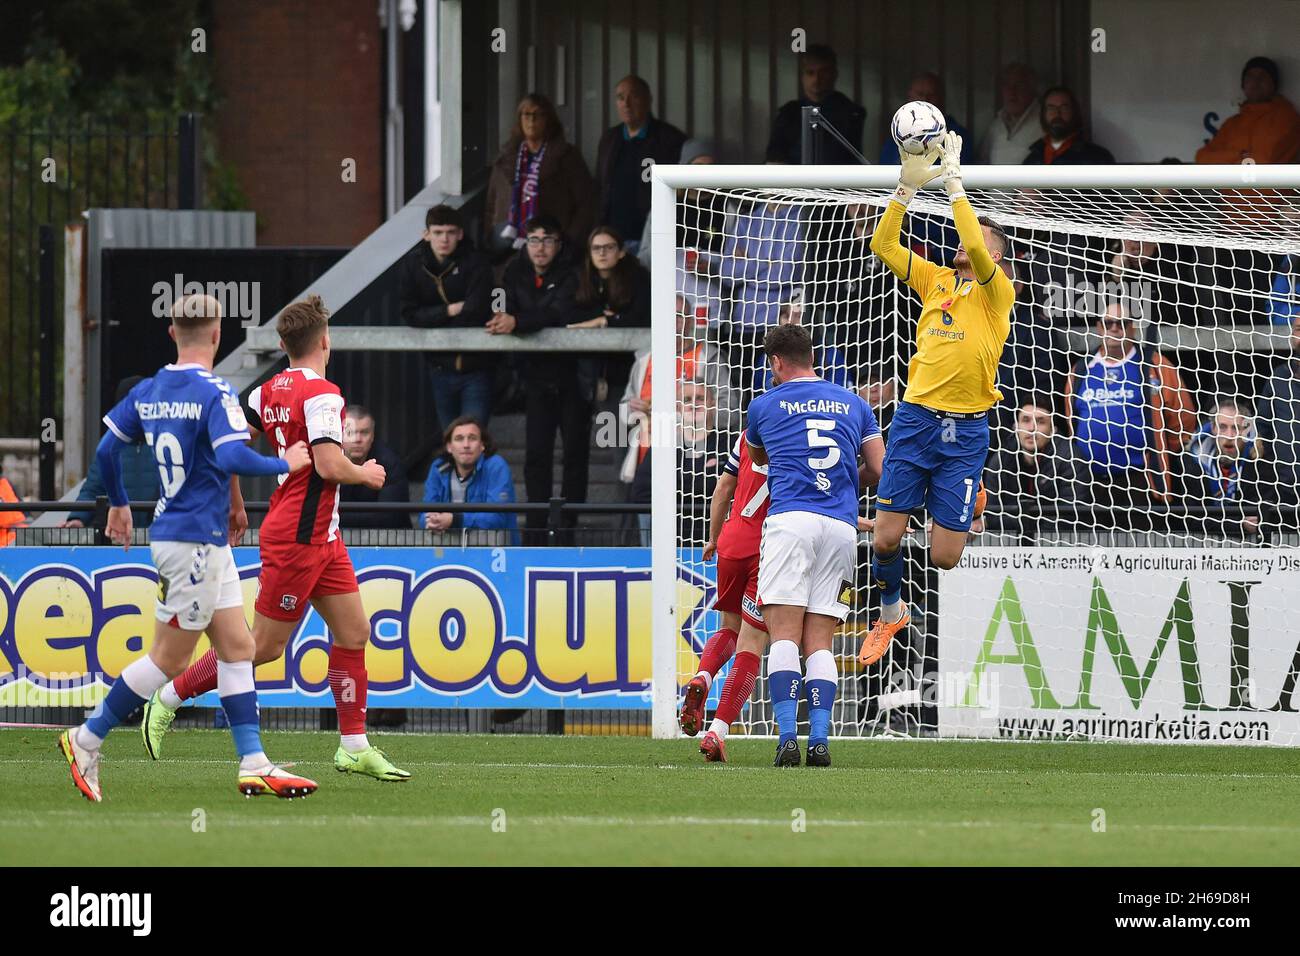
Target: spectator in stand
{"x": 762, "y": 264}
{"x": 1014, "y": 127}
{"x": 624, "y": 193}
{"x": 818, "y": 71}
{"x": 613, "y": 289}
{"x": 698, "y": 360}
{"x": 1148, "y": 279}
{"x": 828, "y": 360}
{"x": 1129, "y": 414}
{"x": 1223, "y": 463}
{"x": 701, "y": 214}
{"x": 1041, "y": 469}
{"x": 701, "y": 452}
{"x": 139, "y": 476}
{"x": 1063, "y": 140}
{"x": 446, "y": 283}
{"x": 10, "y": 520}
{"x": 359, "y": 445}
{"x": 1265, "y": 130}
{"x": 538, "y": 173}
{"x": 540, "y": 285}
{"x": 470, "y": 470}
{"x": 1279, "y": 424}
{"x": 1031, "y": 363}
{"x": 1284, "y": 304}
{"x": 928, "y": 88}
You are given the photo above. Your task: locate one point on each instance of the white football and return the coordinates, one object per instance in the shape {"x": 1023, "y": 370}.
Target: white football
{"x": 917, "y": 127}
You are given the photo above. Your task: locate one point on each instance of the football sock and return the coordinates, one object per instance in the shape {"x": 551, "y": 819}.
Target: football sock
{"x": 170, "y": 699}
{"x": 888, "y": 572}
{"x": 239, "y": 701}
{"x": 783, "y": 680}
{"x": 819, "y": 685}
{"x": 717, "y": 652}
{"x": 199, "y": 678}
{"x": 347, "y": 676}
{"x": 136, "y": 685}
{"x": 735, "y": 692}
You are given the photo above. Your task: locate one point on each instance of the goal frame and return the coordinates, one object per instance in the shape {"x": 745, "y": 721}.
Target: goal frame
{"x": 666, "y": 180}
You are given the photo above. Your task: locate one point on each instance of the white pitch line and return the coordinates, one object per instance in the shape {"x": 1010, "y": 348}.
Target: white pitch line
{"x": 90, "y": 818}
{"x": 110, "y": 761}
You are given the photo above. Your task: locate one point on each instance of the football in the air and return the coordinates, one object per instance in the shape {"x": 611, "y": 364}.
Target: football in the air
{"x": 917, "y": 127}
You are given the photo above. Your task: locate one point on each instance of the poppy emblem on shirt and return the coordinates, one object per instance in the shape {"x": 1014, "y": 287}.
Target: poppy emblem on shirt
{"x": 947, "y": 305}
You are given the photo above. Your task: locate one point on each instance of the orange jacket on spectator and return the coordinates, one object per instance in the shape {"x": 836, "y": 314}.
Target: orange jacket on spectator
{"x": 1266, "y": 132}
{"x": 1172, "y": 417}
{"x": 9, "y": 519}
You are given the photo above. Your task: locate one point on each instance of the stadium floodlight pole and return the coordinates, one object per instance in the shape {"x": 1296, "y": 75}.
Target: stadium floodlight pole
{"x": 663, "y": 461}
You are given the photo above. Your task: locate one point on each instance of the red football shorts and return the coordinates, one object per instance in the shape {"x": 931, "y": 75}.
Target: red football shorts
{"x": 738, "y": 589}
{"x": 294, "y": 574}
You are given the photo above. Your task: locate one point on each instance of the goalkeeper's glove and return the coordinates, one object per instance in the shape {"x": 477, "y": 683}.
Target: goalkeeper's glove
{"x": 914, "y": 172}
{"x": 950, "y": 151}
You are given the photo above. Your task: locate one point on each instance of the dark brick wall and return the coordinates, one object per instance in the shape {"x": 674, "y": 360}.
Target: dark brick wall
{"x": 302, "y": 90}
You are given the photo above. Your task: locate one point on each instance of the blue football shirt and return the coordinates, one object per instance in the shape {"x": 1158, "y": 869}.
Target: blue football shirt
{"x": 183, "y": 413}
{"x": 812, "y": 431}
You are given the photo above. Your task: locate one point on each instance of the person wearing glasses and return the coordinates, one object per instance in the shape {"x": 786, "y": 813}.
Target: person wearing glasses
{"x": 537, "y": 173}
{"x": 540, "y": 283}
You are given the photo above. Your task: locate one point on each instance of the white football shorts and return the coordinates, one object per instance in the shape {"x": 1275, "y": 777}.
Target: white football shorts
{"x": 807, "y": 560}
{"x": 194, "y": 581}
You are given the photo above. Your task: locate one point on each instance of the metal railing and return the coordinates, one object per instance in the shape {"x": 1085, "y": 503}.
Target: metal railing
{"x": 52, "y": 175}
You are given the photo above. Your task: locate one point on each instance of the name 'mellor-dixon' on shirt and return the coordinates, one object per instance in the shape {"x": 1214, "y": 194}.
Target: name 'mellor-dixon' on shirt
{"x": 151, "y": 411}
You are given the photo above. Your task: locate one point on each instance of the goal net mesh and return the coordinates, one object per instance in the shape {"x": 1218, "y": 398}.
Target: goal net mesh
{"x": 1136, "y": 575}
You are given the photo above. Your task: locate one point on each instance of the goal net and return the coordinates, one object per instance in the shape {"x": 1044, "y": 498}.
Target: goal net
{"x": 1136, "y": 574}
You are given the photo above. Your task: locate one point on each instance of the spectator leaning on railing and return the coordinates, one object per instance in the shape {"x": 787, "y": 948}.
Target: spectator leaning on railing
{"x": 1129, "y": 414}
{"x": 613, "y": 289}
{"x": 470, "y": 470}
{"x": 446, "y": 283}
{"x": 139, "y": 475}
{"x": 360, "y": 445}
{"x": 540, "y": 283}
{"x": 1223, "y": 464}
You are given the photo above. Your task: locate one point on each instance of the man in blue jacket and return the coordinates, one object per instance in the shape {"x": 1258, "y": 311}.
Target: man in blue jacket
{"x": 470, "y": 470}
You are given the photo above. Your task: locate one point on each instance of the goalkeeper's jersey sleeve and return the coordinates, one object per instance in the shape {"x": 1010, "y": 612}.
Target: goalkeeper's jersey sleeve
{"x": 963, "y": 326}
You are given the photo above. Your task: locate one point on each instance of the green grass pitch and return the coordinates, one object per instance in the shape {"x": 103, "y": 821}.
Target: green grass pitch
{"x": 612, "y": 800}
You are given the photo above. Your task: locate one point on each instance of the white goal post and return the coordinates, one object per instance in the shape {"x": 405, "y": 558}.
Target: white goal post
{"x": 1137, "y": 578}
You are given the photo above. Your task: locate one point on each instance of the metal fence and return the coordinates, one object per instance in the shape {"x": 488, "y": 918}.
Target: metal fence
{"x": 51, "y": 176}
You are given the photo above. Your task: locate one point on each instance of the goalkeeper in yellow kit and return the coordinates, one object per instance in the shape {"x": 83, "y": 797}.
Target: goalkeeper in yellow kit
{"x": 940, "y": 434}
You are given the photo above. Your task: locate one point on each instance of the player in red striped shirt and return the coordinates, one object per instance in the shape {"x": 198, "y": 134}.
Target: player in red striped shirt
{"x": 742, "y": 488}
{"x": 303, "y": 557}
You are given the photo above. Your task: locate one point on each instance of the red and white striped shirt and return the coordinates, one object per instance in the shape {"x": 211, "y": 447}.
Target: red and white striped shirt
{"x": 298, "y": 405}
{"x": 743, "y": 529}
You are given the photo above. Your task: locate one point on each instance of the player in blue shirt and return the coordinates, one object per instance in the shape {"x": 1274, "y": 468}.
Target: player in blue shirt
{"x": 822, "y": 445}
{"x": 193, "y": 422}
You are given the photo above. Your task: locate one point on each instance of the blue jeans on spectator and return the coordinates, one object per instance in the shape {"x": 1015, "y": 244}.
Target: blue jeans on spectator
{"x": 462, "y": 393}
